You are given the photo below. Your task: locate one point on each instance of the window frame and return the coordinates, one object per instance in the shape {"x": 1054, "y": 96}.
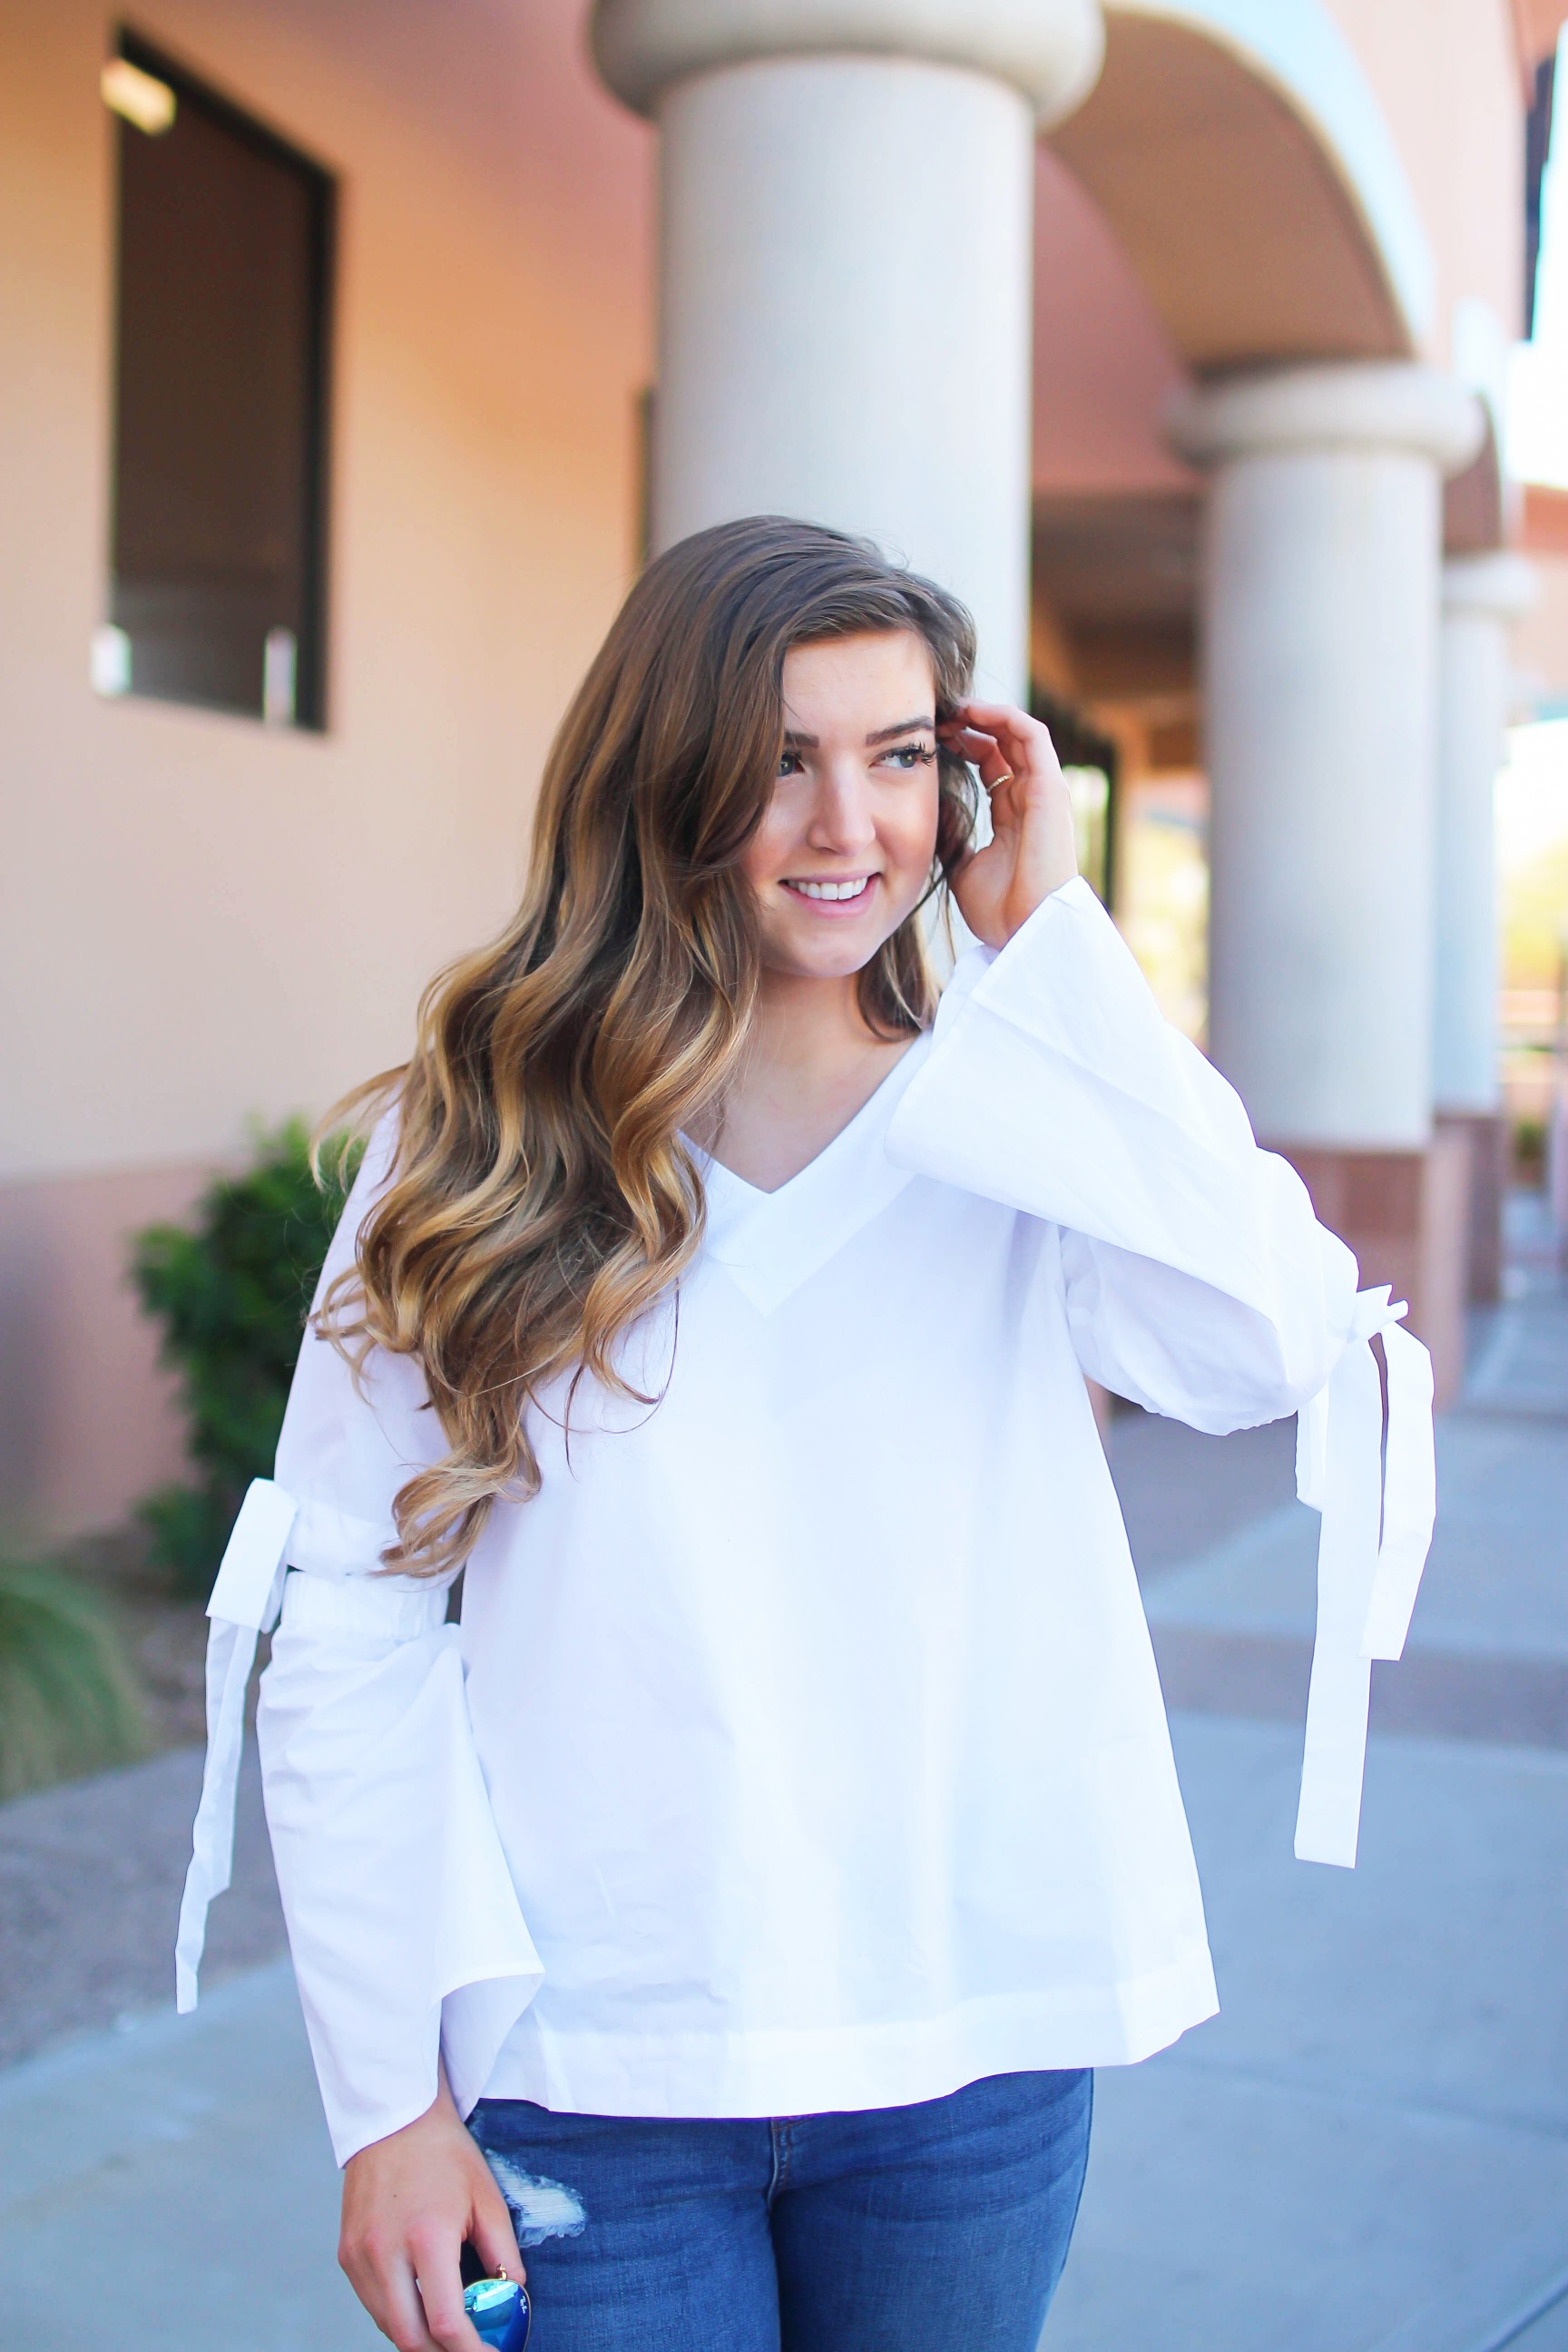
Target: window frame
{"x": 190, "y": 88}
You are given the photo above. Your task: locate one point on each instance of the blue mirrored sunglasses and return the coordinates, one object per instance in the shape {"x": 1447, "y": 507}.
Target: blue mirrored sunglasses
{"x": 499, "y": 2309}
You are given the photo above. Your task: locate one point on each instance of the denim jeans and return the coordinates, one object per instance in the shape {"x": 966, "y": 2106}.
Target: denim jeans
{"x": 935, "y": 2228}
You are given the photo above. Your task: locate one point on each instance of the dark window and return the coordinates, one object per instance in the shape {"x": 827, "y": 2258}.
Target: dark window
{"x": 1092, "y": 762}
{"x": 224, "y": 258}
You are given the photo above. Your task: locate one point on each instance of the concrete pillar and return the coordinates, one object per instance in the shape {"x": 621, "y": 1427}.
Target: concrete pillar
{"x": 847, "y": 194}
{"x": 1483, "y": 595}
{"x": 1320, "y": 616}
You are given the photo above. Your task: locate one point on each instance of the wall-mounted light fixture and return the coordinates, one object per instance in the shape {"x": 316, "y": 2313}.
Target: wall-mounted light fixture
{"x": 140, "y": 97}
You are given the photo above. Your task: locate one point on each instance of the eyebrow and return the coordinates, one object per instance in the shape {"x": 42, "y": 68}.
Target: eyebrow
{"x": 796, "y": 743}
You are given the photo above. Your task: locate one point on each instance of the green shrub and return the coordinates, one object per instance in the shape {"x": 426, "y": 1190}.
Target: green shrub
{"x": 1530, "y": 1151}
{"x": 68, "y": 1701}
{"x": 232, "y": 1292}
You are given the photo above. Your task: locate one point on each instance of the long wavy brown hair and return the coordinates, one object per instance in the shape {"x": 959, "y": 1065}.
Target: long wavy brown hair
{"x": 541, "y": 1198}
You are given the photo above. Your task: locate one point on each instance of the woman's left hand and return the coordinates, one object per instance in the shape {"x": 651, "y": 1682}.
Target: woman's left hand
{"x": 1033, "y": 847}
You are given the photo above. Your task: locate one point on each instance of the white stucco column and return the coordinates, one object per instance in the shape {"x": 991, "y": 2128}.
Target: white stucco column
{"x": 847, "y": 195}
{"x": 1483, "y": 595}
{"x": 1320, "y": 625}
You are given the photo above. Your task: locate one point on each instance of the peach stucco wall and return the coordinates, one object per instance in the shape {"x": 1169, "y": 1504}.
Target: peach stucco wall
{"x": 87, "y": 1418}
{"x": 1446, "y": 75}
{"x": 204, "y": 919}
{"x": 1104, "y": 367}
{"x": 209, "y": 918}
{"x": 1541, "y": 640}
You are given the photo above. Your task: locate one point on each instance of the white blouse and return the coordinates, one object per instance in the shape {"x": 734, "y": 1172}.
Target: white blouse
{"x": 801, "y": 1746}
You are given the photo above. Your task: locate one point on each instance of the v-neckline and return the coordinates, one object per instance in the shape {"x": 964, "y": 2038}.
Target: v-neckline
{"x": 775, "y": 1192}
{"x": 769, "y": 1242}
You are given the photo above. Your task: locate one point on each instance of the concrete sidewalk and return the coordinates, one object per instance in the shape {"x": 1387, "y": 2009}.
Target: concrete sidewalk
{"x": 168, "y": 2186}
{"x": 1366, "y": 2152}
{"x": 1368, "y": 2149}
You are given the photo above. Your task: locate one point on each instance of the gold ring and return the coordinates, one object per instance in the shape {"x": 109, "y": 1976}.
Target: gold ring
{"x": 997, "y": 782}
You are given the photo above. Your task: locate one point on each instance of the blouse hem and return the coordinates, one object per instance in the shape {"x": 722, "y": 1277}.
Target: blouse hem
{"x": 852, "y": 2067}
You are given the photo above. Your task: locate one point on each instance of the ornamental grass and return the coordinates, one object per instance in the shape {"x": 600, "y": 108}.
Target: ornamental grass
{"x": 69, "y": 1702}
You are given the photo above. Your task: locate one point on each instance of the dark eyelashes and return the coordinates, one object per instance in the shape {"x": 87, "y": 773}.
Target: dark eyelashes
{"x": 907, "y": 755}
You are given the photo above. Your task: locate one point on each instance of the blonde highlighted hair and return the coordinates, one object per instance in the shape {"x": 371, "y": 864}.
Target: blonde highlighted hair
{"x": 540, "y": 1196}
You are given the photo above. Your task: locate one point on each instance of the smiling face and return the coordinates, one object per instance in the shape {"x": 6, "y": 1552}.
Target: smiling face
{"x": 844, "y": 852}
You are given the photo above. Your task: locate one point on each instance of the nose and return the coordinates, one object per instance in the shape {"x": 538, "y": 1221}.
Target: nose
{"x": 842, "y": 823}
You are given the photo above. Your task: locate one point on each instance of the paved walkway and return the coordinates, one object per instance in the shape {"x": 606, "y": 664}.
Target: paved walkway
{"x": 1366, "y": 2152}
{"x": 126, "y": 1839}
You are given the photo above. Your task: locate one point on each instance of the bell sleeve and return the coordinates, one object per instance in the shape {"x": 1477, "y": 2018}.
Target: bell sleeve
{"x": 408, "y": 1943}
{"x": 1197, "y": 1280}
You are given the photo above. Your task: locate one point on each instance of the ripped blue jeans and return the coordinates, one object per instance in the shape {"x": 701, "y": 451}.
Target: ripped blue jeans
{"x": 935, "y": 2228}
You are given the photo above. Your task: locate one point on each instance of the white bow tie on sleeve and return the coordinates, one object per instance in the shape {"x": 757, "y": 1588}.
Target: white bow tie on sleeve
{"x": 275, "y": 1531}
{"x": 244, "y": 1603}
{"x": 1378, "y": 1500}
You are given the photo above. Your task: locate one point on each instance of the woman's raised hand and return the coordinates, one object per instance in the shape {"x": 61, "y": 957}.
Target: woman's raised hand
{"x": 1033, "y": 848}
{"x": 409, "y": 2202}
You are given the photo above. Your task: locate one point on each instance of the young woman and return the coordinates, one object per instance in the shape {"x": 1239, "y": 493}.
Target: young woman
{"x": 729, "y": 1907}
